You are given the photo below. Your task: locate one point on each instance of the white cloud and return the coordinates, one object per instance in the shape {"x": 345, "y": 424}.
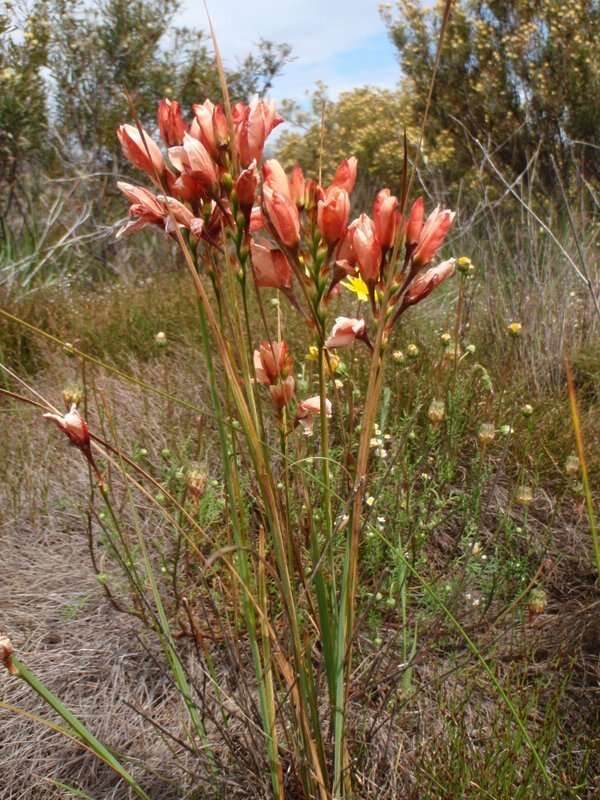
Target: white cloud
{"x": 327, "y": 37}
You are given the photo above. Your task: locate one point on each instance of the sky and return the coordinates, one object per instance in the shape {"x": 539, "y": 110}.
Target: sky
{"x": 340, "y": 42}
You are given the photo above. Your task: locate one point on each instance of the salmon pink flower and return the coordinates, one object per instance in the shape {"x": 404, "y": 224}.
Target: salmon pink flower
{"x": 367, "y": 248}
{"x": 415, "y": 222}
{"x": 345, "y": 331}
{"x": 276, "y": 178}
{"x": 257, "y": 219}
{"x": 254, "y": 123}
{"x": 308, "y": 409}
{"x": 245, "y": 188}
{"x": 210, "y": 127}
{"x": 270, "y": 266}
{"x": 425, "y": 282}
{"x": 145, "y": 208}
{"x": 345, "y": 174}
{"x": 171, "y": 124}
{"x": 434, "y": 232}
{"x": 141, "y": 150}
{"x": 385, "y": 216}
{"x": 193, "y": 159}
{"x": 283, "y": 216}
{"x": 298, "y": 186}
{"x": 333, "y": 213}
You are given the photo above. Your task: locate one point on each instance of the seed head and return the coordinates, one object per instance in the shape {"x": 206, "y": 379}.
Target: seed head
{"x": 527, "y": 410}
{"x": 572, "y": 465}
{"x": 487, "y": 433}
{"x": 437, "y": 412}
{"x": 524, "y": 496}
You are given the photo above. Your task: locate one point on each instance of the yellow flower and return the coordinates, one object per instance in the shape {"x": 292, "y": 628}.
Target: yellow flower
{"x": 313, "y": 353}
{"x": 515, "y": 328}
{"x": 357, "y": 286}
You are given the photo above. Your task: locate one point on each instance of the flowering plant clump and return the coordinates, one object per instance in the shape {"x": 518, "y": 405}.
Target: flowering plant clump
{"x": 297, "y": 510}
{"x": 245, "y": 225}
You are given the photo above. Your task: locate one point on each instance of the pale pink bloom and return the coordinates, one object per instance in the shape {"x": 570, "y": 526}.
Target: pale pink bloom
{"x": 414, "y": 225}
{"x": 270, "y": 266}
{"x": 142, "y": 151}
{"x": 432, "y": 236}
{"x": 254, "y": 123}
{"x": 145, "y": 208}
{"x": 246, "y": 186}
{"x": 193, "y": 159}
{"x": 308, "y": 409}
{"x": 283, "y": 216}
{"x": 74, "y": 426}
{"x": 425, "y": 282}
{"x": 385, "y": 217}
{"x": 345, "y": 174}
{"x": 297, "y": 186}
{"x": 171, "y": 124}
{"x": 345, "y": 331}
{"x": 367, "y": 248}
{"x": 276, "y": 178}
{"x": 332, "y": 214}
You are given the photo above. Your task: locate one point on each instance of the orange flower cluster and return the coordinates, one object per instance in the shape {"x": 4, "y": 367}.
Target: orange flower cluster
{"x": 289, "y": 232}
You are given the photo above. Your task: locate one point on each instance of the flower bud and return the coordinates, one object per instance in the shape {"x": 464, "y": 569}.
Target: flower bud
{"x": 412, "y": 351}
{"x": 527, "y": 410}
{"x": 464, "y": 264}
{"x": 161, "y": 339}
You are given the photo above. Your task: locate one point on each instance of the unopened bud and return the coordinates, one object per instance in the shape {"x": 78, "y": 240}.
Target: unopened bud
{"x": 527, "y": 410}
{"x": 161, "y": 339}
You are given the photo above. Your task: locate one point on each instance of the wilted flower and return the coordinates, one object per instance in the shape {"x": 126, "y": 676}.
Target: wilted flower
{"x": 196, "y": 484}
{"x": 537, "y": 602}
{"x": 273, "y": 366}
{"x": 572, "y": 465}
{"x": 524, "y": 496}
{"x": 72, "y": 396}
{"x": 487, "y": 433}
{"x": 74, "y": 426}
{"x": 345, "y": 331}
{"x": 6, "y": 652}
{"x": 436, "y": 412}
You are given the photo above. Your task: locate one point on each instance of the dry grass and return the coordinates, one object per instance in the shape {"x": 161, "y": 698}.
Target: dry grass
{"x": 450, "y": 738}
